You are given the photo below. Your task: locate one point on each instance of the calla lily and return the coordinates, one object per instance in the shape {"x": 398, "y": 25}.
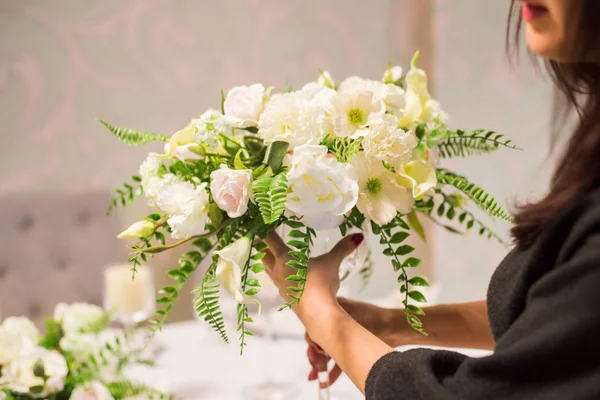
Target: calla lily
{"x": 140, "y": 229}
{"x": 183, "y": 137}
{"x": 230, "y": 267}
{"x": 417, "y": 175}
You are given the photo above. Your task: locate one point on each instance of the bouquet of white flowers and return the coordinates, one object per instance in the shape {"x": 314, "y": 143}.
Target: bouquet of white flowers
{"x": 359, "y": 154}
{"x": 76, "y": 359}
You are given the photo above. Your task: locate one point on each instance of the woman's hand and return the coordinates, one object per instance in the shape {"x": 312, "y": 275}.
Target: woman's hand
{"x": 322, "y": 280}
{"x": 372, "y": 317}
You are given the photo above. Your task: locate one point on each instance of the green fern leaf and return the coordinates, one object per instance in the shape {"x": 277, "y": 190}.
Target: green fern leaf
{"x": 300, "y": 252}
{"x": 474, "y": 192}
{"x": 207, "y": 298}
{"x": 345, "y": 148}
{"x": 126, "y": 195}
{"x": 188, "y": 263}
{"x": 461, "y": 144}
{"x": 270, "y": 194}
{"x": 366, "y": 271}
{"x": 207, "y": 304}
{"x": 133, "y": 137}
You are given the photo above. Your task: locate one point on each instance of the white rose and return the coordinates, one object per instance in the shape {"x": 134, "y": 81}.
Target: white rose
{"x": 20, "y": 375}
{"x": 244, "y": 105}
{"x": 186, "y": 205}
{"x": 91, "y": 391}
{"x": 18, "y": 336}
{"x": 140, "y": 229}
{"x": 230, "y": 266}
{"x": 386, "y": 142}
{"x": 321, "y": 189}
{"x": 298, "y": 117}
{"x": 231, "y": 189}
{"x": 77, "y": 317}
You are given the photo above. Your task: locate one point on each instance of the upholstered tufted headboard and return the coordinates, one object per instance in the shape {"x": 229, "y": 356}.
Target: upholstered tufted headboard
{"x": 53, "y": 249}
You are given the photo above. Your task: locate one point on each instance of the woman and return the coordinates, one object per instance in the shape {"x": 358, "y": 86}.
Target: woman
{"x": 544, "y": 299}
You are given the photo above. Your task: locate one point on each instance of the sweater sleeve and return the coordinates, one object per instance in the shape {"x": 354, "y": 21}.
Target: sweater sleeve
{"x": 551, "y": 351}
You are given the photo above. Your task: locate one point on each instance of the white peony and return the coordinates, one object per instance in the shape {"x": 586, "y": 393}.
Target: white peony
{"x": 93, "y": 390}
{"x": 137, "y": 230}
{"x": 80, "y": 345}
{"x": 230, "y": 266}
{"x": 186, "y": 205}
{"x": 18, "y": 336}
{"x": 244, "y": 105}
{"x": 354, "y": 112}
{"x": 386, "y": 142}
{"x": 418, "y": 176}
{"x": 20, "y": 375}
{"x": 321, "y": 189}
{"x": 77, "y": 317}
{"x": 391, "y": 95}
{"x": 380, "y": 197}
{"x": 209, "y": 126}
{"x": 231, "y": 189}
{"x": 297, "y": 118}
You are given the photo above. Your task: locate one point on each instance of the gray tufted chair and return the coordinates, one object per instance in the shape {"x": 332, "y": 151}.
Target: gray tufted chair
{"x": 53, "y": 249}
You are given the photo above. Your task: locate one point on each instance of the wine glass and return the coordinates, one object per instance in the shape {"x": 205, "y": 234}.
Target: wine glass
{"x": 129, "y": 300}
{"x": 271, "y": 388}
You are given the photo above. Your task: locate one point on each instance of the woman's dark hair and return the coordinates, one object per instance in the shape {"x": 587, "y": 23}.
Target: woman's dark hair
{"x": 578, "y": 89}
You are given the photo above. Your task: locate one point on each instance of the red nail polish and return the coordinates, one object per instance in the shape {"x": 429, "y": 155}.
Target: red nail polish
{"x": 357, "y": 238}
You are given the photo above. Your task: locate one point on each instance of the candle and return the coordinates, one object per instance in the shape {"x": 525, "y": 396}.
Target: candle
{"x": 129, "y": 299}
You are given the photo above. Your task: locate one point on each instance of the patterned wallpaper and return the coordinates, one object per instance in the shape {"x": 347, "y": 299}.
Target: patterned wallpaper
{"x": 154, "y": 64}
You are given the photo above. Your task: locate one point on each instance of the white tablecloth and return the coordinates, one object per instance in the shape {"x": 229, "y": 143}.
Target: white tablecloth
{"x": 195, "y": 364}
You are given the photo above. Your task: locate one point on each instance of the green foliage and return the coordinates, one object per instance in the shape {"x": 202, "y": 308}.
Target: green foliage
{"x": 367, "y": 270}
{"x": 474, "y": 192}
{"x": 454, "y": 211}
{"x": 188, "y": 263}
{"x": 250, "y": 287}
{"x": 461, "y": 144}
{"x": 270, "y": 193}
{"x": 354, "y": 220}
{"x": 206, "y": 301}
{"x": 126, "y": 195}
{"x": 392, "y": 236}
{"x": 133, "y": 137}
{"x": 51, "y": 340}
{"x": 299, "y": 244}
{"x": 124, "y": 389}
{"x": 275, "y": 154}
{"x": 97, "y": 325}
{"x": 345, "y": 148}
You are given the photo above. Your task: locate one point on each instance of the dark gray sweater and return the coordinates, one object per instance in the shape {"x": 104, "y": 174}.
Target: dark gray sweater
{"x": 544, "y": 311}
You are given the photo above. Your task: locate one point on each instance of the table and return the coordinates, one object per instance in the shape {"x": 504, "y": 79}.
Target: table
{"x": 194, "y": 364}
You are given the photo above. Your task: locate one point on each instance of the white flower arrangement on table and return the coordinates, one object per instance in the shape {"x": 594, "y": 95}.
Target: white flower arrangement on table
{"x": 76, "y": 359}
{"x": 363, "y": 153}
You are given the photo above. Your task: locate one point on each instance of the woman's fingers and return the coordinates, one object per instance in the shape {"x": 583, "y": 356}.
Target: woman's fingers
{"x": 276, "y": 245}
{"x": 313, "y": 344}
